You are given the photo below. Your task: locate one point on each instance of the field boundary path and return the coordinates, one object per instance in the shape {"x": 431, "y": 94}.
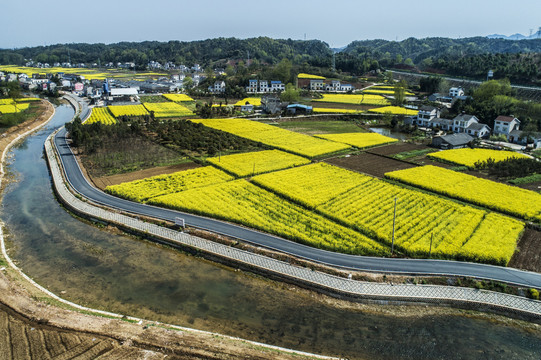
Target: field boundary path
{"x": 444, "y": 295}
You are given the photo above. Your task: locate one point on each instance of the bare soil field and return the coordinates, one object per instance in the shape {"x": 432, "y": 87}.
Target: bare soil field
{"x": 333, "y": 105}
{"x": 370, "y": 164}
{"x": 104, "y": 181}
{"x": 528, "y": 255}
{"x": 396, "y": 148}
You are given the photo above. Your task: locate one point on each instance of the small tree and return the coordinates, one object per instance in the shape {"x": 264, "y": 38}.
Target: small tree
{"x": 291, "y": 94}
{"x": 400, "y": 93}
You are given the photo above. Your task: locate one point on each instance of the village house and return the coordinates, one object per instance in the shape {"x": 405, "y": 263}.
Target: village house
{"x": 504, "y": 125}
{"x": 469, "y": 124}
{"x": 455, "y": 92}
{"x": 337, "y": 86}
{"x": 218, "y": 87}
{"x": 252, "y": 86}
{"x": 425, "y": 114}
{"x": 277, "y": 86}
{"x": 317, "y": 85}
{"x": 452, "y": 141}
{"x": 440, "y": 123}
{"x": 531, "y": 140}
{"x": 262, "y": 86}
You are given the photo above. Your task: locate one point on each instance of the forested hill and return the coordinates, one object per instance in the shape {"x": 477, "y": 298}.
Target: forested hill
{"x": 520, "y": 61}
{"x": 204, "y": 52}
{"x": 419, "y": 50}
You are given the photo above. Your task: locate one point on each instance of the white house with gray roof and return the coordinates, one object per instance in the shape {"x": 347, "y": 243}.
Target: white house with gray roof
{"x": 469, "y": 124}
{"x": 504, "y": 125}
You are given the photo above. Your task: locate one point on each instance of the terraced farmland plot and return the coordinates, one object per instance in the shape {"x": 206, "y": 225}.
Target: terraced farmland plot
{"x": 359, "y": 140}
{"x": 311, "y": 185}
{"x": 374, "y": 90}
{"x": 300, "y": 144}
{"x": 242, "y": 202}
{"x": 336, "y": 111}
{"x": 168, "y": 109}
{"x": 509, "y": 199}
{"x": 128, "y": 110}
{"x": 255, "y": 101}
{"x": 394, "y": 110}
{"x": 257, "y": 162}
{"x": 102, "y": 116}
{"x": 310, "y": 76}
{"x": 469, "y": 157}
{"x": 367, "y": 204}
{"x": 142, "y": 190}
{"x": 13, "y": 108}
{"x": 178, "y": 97}
{"x": 357, "y": 99}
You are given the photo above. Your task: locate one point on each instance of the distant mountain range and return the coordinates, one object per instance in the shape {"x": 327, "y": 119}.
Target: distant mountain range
{"x": 516, "y": 36}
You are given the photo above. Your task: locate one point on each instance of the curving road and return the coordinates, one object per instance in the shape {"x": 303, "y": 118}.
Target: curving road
{"x": 385, "y": 265}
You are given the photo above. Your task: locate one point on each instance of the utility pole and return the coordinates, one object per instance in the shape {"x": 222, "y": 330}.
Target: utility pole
{"x": 431, "y": 238}
{"x": 394, "y": 221}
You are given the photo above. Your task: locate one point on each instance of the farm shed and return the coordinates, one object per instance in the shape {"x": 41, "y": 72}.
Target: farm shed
{"x": 453, "y": 141}
{"x": 299, "y": 109}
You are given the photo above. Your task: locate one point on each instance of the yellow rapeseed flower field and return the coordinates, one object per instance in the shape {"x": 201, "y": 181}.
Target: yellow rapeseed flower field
{"x": 469, "y": 157}
{"x": 259, "y": 162}
{"x": 300, "y": 144}
{"x": 100, "y": 115}
{"x": 384, "y": 91}
{"x": 168, "y": 109}
{"x": 509, "y": 199}
{"x": 395, "y": 110}
{"x": 13, "y": 108}
{"x": 128, "y": 110}
{"x": 177, "y": 97}
{"x": 309, "y": 76}
{"x": 359, "y": 140}
{"x": 357, "y": 99}
{"x": 145, "y": 189}
{"x": 255, "y": 101}
{"x": 244, "y": 203}
{"x": 311, "y": 185}
{"x": 366, "y": 204}
{"x": 336, "y": 111}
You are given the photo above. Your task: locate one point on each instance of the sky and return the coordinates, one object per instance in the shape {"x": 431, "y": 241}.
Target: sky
{"x": 337, "y": 22}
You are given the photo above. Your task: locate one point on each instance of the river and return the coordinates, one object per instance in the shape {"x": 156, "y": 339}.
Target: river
{"x": 106, "y": 270}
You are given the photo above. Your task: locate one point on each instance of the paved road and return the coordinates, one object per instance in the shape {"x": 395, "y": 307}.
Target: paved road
{"x": 463, "y": 80}
{"x": 406, "y": 266}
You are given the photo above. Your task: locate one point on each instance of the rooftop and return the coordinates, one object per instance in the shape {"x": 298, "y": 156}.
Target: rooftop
{"x": 457, "y": 139}
{"x": 505, "y": 118}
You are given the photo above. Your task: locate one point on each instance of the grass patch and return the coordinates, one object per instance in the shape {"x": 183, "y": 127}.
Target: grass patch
{"x": 526, "y": 179}
{"x": 153, "y": 99}
{"x": 118, "y": 156}
{"x": 311, "y": 127}
{"x": 413, "y": 153}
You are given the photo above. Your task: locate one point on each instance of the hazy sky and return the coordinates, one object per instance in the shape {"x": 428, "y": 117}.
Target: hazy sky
{"x": 337, "y": 22}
